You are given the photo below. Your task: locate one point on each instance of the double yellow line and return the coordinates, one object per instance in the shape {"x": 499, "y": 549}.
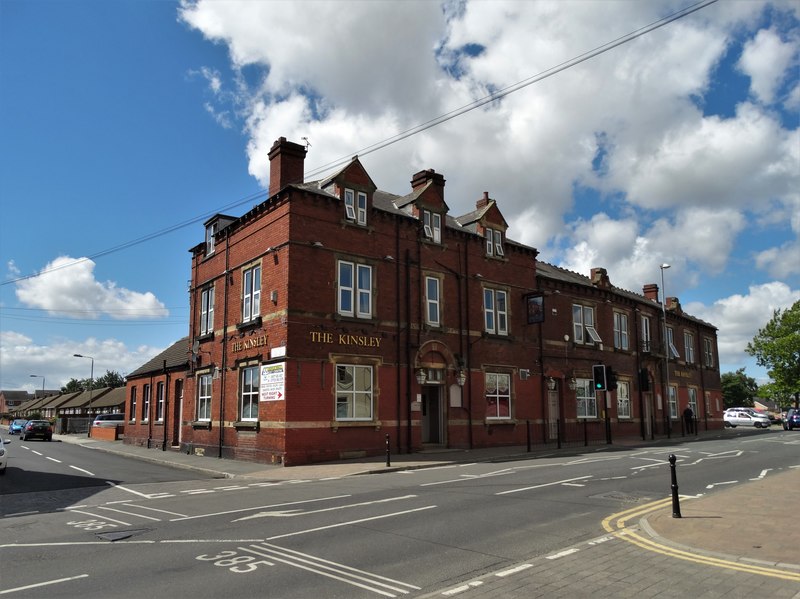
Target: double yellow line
{"x": 617, "y": 525}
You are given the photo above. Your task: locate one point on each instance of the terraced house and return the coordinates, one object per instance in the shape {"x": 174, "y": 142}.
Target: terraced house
{"x": 334, "y": 318}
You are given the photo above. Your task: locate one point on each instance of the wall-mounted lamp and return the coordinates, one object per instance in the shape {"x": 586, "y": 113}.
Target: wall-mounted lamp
{"x": 551, "y": 383}
{"x": 389, "y": 258}
{"x": 573, "y": 384}
{"x": 461, "y": 378}
{"x": 274, "y": 296}
{"x": 422, "y": 376}
{"x": 317, "y": 244}
{"x": 478, "y": 275}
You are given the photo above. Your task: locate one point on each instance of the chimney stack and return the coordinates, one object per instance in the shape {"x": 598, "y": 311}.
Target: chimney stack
{"x": 286, "y": 161}
{"x": 484, "y": 201}
{"x": 422, "y": 178}
{"x": 651, "y": 292}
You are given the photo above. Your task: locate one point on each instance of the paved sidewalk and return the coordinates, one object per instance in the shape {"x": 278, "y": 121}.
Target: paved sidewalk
{"x": 745, "y": 523}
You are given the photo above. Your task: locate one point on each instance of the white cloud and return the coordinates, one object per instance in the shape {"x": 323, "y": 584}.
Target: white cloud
{"x": 674, "y": 185}
{"x": 767, "y": 60}
{"x": 21, "y": 356}
{"x": 67, "y": 287}
{"x": 739, "y": 317}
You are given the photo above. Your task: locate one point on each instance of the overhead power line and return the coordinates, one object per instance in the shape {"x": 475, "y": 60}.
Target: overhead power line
{"x": 493, "y": 97}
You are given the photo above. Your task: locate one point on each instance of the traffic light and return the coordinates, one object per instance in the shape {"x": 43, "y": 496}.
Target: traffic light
{"x": 599, "y": 376}
{"x": 611, "y": 379}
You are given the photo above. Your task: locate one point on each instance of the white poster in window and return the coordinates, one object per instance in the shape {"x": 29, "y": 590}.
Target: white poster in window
{"x": 273, "y": 382}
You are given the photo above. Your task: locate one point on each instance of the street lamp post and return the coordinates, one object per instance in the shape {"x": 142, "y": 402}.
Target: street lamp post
{"x": 663, "y": 267}
{"x": 91, "y": 385}
{"x": 39, "y": 376}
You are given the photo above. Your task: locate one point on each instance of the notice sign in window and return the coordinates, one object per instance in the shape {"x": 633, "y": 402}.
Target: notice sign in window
{"x": 273, "y": 382}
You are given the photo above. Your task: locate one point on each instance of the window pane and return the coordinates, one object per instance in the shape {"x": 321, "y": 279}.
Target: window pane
{"x": 256, "y": 291}
{"x": 364, "y": 291}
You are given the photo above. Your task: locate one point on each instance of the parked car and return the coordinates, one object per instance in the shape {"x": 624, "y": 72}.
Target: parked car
{"x": 16, "y": 426}
{"x": 734, "y": 418}
{"x": 792, "y": 420}
{"x": 108, "y": 420}
{"x": 3, "y": 455}
{"x": 40, "y": 429}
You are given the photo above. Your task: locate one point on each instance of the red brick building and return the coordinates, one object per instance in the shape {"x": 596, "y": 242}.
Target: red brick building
{"x": 334, "y": 318}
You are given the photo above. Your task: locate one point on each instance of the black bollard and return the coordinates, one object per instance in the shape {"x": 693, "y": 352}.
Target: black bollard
{"x": 528, "y": 434}
{"x": 676, "y": 504}
{"x": 388, "y": 460}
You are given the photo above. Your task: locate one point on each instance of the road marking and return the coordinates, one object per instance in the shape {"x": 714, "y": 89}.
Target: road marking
{"x": 727, "y": 482}
{"x": 465, "y": 477}
{"x": 82, "y": 470}
{"x": 558, "y": 482}
{"x": 353, "y": 576}
{"x": 511, "y": 571}
{"x": 261, "y": 507}
{"x": 288, "y": 513}
{"x": 42, "y": 584}
{"x": 144, "y": 507}
{"x": 53, "y": 460}
{"x": 98, "y": 516}
{"x": 462, "y": 588}
{"x": 340, "y": 524}
{"x": 564, "y": 553}
{"x": 111, "y": 509}
{"x": 762, "y": 475}
{"x": 630, "y": 535}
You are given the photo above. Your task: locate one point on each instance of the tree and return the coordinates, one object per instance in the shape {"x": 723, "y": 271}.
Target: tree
{"x": 777, "y": 348}
{"x": 110, "y": 379}
{"x": 738, "y": 389}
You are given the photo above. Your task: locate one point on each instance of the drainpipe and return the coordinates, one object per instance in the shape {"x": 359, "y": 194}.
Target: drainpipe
{"x": 398, "y": 346}
{"x": 166, "y": 407}
{"x": 224, "y": 342}
{"x": 408, "y": 349}
{"x": 469, "y": 347}
{"x": 636, "y": 317}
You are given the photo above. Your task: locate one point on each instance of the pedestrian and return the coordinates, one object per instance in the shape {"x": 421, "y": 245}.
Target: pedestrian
{"x": 688, "y": 419}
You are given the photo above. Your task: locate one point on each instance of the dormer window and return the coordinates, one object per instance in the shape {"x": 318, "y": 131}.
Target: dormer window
{"x": 211, "y": 230}
{"x": 355, "y": 211}
{"x": 494, "y": 243}
{"x": 432, "y": 225}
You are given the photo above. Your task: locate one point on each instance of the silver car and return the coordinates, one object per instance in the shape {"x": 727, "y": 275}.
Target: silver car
{"x": 745, "y": 417}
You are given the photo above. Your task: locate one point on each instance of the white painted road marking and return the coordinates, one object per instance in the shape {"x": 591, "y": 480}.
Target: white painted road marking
{"x": 41, "y": 584}
{"x": 558, "y": 482}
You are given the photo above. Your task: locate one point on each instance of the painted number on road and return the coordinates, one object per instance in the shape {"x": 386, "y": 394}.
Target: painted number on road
{"x": 240, "y": 564}
{"x": 91, "y": 524}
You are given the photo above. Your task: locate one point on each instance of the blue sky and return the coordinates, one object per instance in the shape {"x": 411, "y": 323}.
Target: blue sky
{"x": 125, "y": 124}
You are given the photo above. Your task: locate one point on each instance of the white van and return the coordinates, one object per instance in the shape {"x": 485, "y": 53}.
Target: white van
{"x": 746, "y": 417}
{"x": 108, "y": 420}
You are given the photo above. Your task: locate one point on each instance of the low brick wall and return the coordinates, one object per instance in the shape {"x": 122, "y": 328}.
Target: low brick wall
{"x": 110, "y": 433}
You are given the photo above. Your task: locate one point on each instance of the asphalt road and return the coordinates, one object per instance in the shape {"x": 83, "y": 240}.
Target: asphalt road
{"x": 124, "y": 528}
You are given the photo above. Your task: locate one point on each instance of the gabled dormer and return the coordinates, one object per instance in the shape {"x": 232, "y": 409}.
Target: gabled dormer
{"x": 426, "y": 203}
{"x": 213, "y": 226}
{"x": 355, "y": 189}
{"x": 488, "y": 222}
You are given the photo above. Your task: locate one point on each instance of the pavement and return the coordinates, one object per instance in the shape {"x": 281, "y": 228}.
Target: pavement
{"x": 745, "y": 523}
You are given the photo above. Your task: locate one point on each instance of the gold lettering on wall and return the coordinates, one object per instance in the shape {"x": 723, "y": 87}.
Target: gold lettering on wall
{"x": 345, "y": 339}
{"x": 242, "y": 345}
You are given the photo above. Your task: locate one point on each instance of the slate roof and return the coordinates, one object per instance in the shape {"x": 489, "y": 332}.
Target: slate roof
{"x": 548, "y": 271}
{"x": 176, "y": 356}
{"x": 113, "y": 399}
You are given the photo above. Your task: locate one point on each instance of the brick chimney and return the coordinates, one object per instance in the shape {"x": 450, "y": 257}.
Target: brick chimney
{"x": 651, "y": 292}
{"x": 600, "y": 278}
{"x": 421, "y": 179}
{"x": 484, "y": 201}
{"x": 286, "y": 160}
